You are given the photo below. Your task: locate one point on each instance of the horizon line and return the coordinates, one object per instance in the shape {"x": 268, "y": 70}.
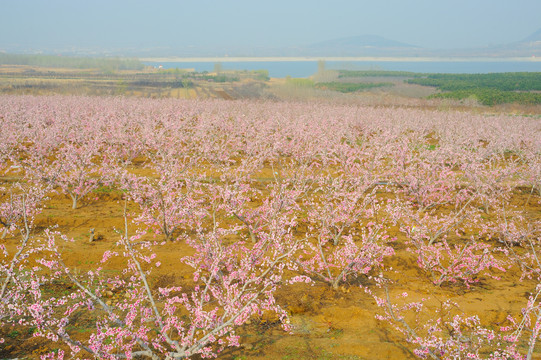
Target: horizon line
{"x": 338, "y": 58}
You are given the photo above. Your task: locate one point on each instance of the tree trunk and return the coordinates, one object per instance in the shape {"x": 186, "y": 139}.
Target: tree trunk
{"x": 74, "y": 201}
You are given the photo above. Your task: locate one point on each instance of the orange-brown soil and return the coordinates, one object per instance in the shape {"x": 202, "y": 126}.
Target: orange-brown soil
{"x": 327, "y": 323}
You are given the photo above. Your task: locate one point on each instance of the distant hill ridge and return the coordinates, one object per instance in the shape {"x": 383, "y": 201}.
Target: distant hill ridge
{"x": 536, "y": 36}
{"x": 366, "y": 45}
{"x": 361, "y": 45}
{"x": 374, "y": 45}
{"x": 361, "y": 41}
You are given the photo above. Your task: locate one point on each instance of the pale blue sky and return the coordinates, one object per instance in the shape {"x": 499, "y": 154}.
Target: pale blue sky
{"x": 55, "y": 24}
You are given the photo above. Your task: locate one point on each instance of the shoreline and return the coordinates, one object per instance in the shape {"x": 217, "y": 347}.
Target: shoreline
{"x": 335, "y": 58}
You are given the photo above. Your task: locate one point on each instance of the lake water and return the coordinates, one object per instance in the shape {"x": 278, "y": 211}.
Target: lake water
{"x": 280, "y": 69}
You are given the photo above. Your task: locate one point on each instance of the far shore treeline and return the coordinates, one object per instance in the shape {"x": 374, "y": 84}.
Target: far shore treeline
{"x": 56, "y": 61}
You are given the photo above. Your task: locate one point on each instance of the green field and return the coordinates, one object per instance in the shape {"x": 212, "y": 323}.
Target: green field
{"x": 487, "y": 89}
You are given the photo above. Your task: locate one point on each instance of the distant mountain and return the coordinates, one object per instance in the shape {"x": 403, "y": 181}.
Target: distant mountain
{"x": 363, "y": 45}
{"x": 363, "y": 41}
{"x": 373, "y": 45}
{"x": 536, "y": 36}
{"x": 530, "y": 46}
{"x": 353, "y": 46}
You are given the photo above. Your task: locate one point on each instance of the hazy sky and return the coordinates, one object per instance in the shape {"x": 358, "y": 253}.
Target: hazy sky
{"x": 57, "y": 24}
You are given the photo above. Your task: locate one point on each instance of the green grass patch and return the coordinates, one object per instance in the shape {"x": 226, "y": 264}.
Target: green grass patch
{"x": 492, "y": 97}
{"x": 300, "y": 82}
{"x": 376, "y": 73}
{"x": 14, "y": 334}
{"x": 350, "y": 87}
{"x": 108, "y": 190}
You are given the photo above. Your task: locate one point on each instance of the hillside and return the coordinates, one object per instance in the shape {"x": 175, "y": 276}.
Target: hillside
{"x": 362, "y": 45}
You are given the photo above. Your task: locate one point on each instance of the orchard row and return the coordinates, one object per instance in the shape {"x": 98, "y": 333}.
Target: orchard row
{"x": 267, "y": 194}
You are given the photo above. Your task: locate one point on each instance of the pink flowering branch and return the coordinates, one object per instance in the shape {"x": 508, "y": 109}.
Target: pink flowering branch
{"x": 447, "y": 334}
{"x": 354, "y": 256}
{"x": 168, "y": 204}
{"x": 232, "y": 283}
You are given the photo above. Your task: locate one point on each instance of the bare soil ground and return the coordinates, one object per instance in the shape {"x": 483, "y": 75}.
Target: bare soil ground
{"x": 327, "y": 323}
